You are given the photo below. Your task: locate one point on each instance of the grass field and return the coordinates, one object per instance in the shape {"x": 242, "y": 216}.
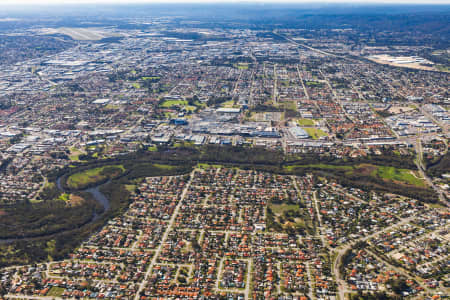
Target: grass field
{"x": 279, "y": 209}
{"x": 190, "y": 108}
{"x": 305, "y": 122}
{"x": 74, "y": 154}
{"x": 315, "y": 133}
{"x": 313, "y": 83}
{"x": 130, "y": 187}
{"x": 183, "y": 144}
{"x": 65, "y": 197}
{"x": 228, "y": 104}
{"x": 178, "y": 103}
{"x": 112, "y": 107}
{"x": 206, "y": 166}
{"x": 402, "y": 175}
{"x": 171, "y": 103}
{"x": 241, "y": 66}
{"x": 292, "y": 105}
{"x": 151, "y": 78}
{"x": 91, "y": 176}
{"x": 74, "y": 157}
{"x": 168, "y": 115}
{"x": 319, "y": 166}
{"x": 55, "y": 291}
{"x": 164, "y": 167}
{"x": 283, "y": 217}
{"x": 443, "y": 68}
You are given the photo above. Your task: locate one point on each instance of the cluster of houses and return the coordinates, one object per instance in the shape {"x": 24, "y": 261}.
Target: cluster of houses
{"x": 221, "y": 255}
{"x": 19, "y": 181}
{"x": 421, "y": 245}
{"x": 111, "y": 106}
{"x": 364, "y": 272}
{"x": 346, "y": 216}
{"x": 205, "y": 235}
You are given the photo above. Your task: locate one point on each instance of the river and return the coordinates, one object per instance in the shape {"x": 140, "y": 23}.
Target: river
{"x": 94, "y": 191}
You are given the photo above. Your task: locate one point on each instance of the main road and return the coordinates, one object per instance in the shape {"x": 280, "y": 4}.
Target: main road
{"x": 422, "y": 168}
{"x": 164, "y": 237}
{"x": 342, "y": 249}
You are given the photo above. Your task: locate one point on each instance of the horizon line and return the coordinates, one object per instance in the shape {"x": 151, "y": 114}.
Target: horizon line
{"x": 18, "y": 3}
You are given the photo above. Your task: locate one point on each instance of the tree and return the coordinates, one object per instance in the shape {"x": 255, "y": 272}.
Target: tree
{"x": 398, "y": 285}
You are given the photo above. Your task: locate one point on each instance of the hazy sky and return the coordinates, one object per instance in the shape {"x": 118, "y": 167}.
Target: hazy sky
{"x": 45, "y": 2}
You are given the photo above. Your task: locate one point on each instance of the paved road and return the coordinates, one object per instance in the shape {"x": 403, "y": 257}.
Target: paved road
{"x": 237, "y": 84}
{"x": 41, "y": 188}
{"x": 337, "y": 275}
{"x": 319, "y": 218}
{"x": 397, "y": 269}
{"x": 443, "y": 126}
{"x": 246, "y": 291}
{"x": 164, "y": 238}
{"x": 342, "y": 286}
{"x": 421, "y": 167}
{"x": 303, "y": 83}
{"x": 310, "y": 281}
{"x": 306, "y": 46}
{"x": 275, "y": 93}
{"x": 336, "y": 98}
{"x": 249, "y": 278}
{"x": 19, "y": 296}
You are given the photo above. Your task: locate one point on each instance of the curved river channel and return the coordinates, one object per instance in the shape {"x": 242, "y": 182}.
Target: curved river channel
{"x": 94, "y": 191}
